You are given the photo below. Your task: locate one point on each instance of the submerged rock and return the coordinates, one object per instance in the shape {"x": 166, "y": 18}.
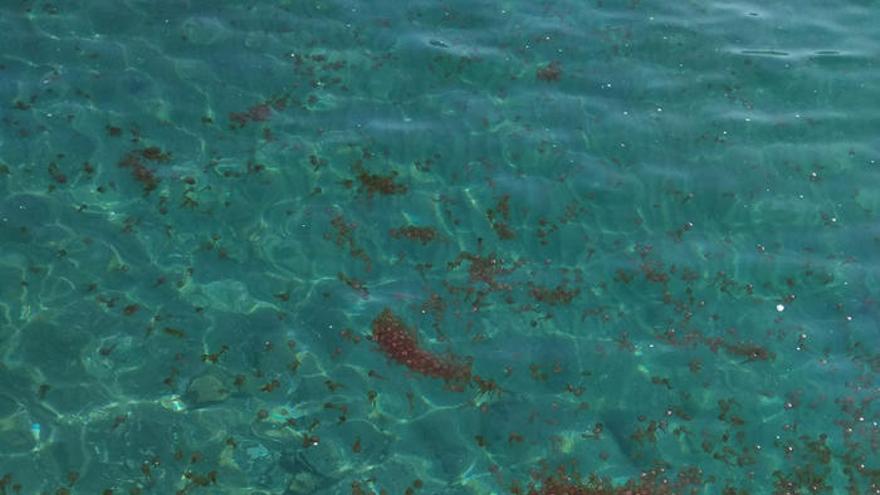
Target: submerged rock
{"x": 206, "y": 389}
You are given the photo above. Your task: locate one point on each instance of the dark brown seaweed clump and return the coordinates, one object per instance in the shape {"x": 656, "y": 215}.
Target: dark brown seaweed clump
{"x": 378, "y": 184}
{"x": 139, "y": 171}
{"x": 553, "y": 297}
{"x": 551, "y": 72}
{"x": 653, "y": 482}
{"x": 400, "y": 344}
{"x": 414, "y": 233}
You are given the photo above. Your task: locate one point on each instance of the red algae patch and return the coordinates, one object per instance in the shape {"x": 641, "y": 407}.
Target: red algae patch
{"x": 551, "y": 72}
{"x": 261, "y": 112}
{"x": 553, "y": 297}
{"x": 423, "y": 235}
{"x": 653, "y": 482}
{"x": 400, "y": 343}
{"x": 140, "y": 172}
{"x": 381, "y": 184}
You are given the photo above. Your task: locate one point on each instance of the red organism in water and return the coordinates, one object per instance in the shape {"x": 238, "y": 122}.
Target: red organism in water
{"x": 400, "y": 343}
{"x": 567, "y": 481}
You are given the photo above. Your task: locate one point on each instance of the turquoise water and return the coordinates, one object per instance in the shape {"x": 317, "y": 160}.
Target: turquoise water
{"x": 632, "y": 239}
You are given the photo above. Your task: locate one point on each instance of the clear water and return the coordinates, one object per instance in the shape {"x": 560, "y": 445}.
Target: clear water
{"x": 654, "y": 242}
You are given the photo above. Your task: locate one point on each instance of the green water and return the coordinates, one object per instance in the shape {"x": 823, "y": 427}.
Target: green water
{"x": 650, "y": 232}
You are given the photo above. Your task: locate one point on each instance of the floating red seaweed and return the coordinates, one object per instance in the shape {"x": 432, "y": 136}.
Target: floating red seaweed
{"x": 384, "y": 185}
{"x": 567, "y": 481}
{"x": 400, "y": 343}
{"x": 260, "y": 112}
{"x": 139, "y": 171}
{"x": 423, "y": 235}
{"x": 551, "y": 72}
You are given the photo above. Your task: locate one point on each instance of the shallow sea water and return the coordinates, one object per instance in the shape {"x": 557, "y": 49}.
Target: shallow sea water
{"x": 629, "y": 239}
